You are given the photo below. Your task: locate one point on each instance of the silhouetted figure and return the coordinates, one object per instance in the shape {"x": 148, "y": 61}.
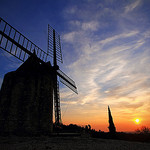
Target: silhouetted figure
{"x": 112, "y": 128}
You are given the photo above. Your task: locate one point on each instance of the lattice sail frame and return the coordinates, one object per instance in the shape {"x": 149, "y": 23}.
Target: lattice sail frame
{"x": 17, "y": 44}
{"x": 50, "y": 49}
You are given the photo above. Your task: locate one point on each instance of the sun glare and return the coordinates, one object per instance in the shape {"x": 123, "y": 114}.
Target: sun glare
{"x": 137, "y": 121}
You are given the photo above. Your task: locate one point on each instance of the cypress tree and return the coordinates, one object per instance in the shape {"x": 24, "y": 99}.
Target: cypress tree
{"x": 112, "y": 128}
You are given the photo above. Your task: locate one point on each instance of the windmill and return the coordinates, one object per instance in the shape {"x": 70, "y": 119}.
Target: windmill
{"x": 16, "y": 44}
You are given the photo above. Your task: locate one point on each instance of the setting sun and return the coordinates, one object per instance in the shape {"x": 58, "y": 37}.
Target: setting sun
{"x": 137, "y": 121}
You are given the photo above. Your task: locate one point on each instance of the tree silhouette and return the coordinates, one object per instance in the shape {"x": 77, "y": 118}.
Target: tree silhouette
{"x": 112, "y": 128}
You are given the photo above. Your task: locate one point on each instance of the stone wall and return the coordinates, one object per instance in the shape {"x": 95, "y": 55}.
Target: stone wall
{"x": 26, "y": 100}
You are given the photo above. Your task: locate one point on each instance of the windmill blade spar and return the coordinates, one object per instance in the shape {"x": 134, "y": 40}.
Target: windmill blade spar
{"x": 67, "y": 81}
{"x": 13, "y": 42}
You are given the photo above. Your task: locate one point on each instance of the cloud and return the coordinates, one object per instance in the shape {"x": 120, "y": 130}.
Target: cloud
{"x": 93, "y": 26}
{"x": 90, "y": 11}
{"x": 69, "y": 37}
{"x": 103, "y": 68}
{"x": 132, "y": 6}
{"x": 71, "y": 10}
{"x": 132, "y": 88}
{"x": 129, "y": 105}
{"x": 83, "y": 27}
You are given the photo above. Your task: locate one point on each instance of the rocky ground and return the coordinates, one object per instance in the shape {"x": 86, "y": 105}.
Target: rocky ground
{"x": 68, "y": 143}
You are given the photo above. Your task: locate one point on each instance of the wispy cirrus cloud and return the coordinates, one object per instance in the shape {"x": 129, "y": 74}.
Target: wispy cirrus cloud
{"x": 105, "y": 64}
{"x": 132, "y": 6}
{"x": 90, "y": 25}
{"x": 110, "y": 68}
{"x": 69, "y": 37}
{"x": 93, "y": 25}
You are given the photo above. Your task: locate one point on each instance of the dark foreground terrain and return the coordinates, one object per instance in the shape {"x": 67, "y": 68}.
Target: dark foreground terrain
{"x": 68, "y": 143}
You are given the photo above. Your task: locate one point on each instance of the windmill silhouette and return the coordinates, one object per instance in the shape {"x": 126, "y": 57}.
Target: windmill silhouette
{"x": 16, "y": 44}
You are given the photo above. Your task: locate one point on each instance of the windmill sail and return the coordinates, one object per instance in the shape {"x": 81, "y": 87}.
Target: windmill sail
{"x": 13, "y": 42}
{"x": 54, "y": 38}
{"x": 67, "y": 81}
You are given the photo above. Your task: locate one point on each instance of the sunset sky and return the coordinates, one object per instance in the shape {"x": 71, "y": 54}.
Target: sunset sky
{"x": 106, "y": 51}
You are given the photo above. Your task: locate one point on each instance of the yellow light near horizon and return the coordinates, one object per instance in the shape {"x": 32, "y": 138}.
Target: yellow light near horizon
{"x": 137, "y": 121}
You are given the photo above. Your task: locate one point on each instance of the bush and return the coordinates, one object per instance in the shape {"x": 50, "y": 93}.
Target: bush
{"x": 143, "y": 130}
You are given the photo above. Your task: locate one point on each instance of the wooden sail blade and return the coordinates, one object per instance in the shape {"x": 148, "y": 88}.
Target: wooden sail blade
{"x": 13, "y": 42}
{"x": 54, "y": 39}
{"x": 67, "y": 81}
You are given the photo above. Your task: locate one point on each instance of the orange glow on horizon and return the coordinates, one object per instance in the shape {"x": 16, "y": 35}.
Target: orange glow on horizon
{"x": 125, "y": 120}
{"x": 121, "y": 124}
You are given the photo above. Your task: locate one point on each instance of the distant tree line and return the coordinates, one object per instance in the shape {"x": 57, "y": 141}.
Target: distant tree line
{"x": 73, "y": 128}
{"x": 142, "y": 134}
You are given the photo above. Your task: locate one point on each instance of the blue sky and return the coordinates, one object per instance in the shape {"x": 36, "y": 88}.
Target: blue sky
{"x": 106, "y": 50}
